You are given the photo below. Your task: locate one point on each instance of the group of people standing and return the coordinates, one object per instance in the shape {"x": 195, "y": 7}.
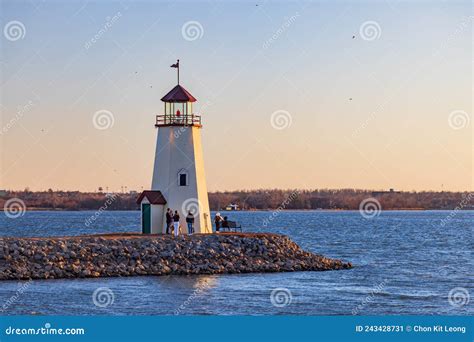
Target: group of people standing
{"x": 172, "y": 222}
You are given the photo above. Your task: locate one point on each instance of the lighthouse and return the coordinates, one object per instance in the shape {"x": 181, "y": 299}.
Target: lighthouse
{"x": 179, "y": 180}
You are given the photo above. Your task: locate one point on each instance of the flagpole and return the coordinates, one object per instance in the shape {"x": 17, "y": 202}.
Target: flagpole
{"x": 178, "y": 71}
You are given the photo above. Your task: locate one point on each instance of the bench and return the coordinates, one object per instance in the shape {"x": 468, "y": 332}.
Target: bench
{"x": 231, "y": 226}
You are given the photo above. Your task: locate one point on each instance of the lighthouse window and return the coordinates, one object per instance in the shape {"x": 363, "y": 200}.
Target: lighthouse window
{"x": 183, "y": 177}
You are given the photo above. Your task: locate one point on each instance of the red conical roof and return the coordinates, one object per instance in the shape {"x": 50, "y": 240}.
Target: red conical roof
{"x": 153, "y": 196}
{"x": 178, "y": 94}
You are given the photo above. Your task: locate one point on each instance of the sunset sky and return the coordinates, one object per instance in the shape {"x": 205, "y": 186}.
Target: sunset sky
{"x": 327, "y": 94}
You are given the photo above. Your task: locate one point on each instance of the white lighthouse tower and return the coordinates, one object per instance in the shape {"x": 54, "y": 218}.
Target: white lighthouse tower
{"x": 179, "y": 180}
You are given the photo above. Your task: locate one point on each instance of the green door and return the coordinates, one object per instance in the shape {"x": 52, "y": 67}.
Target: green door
{"x": 146, "y": 218}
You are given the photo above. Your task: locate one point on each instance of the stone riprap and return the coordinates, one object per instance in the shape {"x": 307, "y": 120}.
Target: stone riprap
{"x": 119, "y": 255}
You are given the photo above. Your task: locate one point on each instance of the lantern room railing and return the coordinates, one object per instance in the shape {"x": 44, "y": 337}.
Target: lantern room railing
{"x": 178, "y": 120}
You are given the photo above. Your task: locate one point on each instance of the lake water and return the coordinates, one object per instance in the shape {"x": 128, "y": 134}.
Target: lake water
{"x": 406, "y": 262}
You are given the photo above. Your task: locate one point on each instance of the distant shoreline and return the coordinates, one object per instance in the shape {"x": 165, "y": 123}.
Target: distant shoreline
{"x": 249, "y": 200}
{"x": 253, "y": 210}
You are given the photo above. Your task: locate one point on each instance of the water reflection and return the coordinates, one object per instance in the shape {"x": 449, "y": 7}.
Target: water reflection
{"x": 187, "y": 283}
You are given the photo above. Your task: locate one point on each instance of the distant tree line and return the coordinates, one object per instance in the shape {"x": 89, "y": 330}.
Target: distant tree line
{"x": 344, "y": 199}
{"x": 252, "y": 199}
{"x": 72, "y": 200}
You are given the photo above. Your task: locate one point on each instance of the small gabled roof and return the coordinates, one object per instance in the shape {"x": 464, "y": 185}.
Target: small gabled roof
{"x": 153, "y": 196}
{"x": 178, "y": 94}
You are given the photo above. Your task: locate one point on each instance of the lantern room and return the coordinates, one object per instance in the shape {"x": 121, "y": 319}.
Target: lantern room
{"x": 178, "y": 109}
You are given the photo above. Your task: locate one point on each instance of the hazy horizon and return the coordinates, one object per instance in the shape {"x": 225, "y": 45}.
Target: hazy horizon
{"x": 311, "y": 95}
{"x": 241, "y": 190}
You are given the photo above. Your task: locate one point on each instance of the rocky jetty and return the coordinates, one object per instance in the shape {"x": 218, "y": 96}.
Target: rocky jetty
{"x": 118, "y": 255}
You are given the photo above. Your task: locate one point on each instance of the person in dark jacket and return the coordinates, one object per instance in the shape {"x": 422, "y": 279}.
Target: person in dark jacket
{"x": 176, "y": 223}
{"x": 169, "y": 220}
{"x": 190, "y": 222}
{"x": 225, "y": 223}
{"x": 218, "y": 221}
